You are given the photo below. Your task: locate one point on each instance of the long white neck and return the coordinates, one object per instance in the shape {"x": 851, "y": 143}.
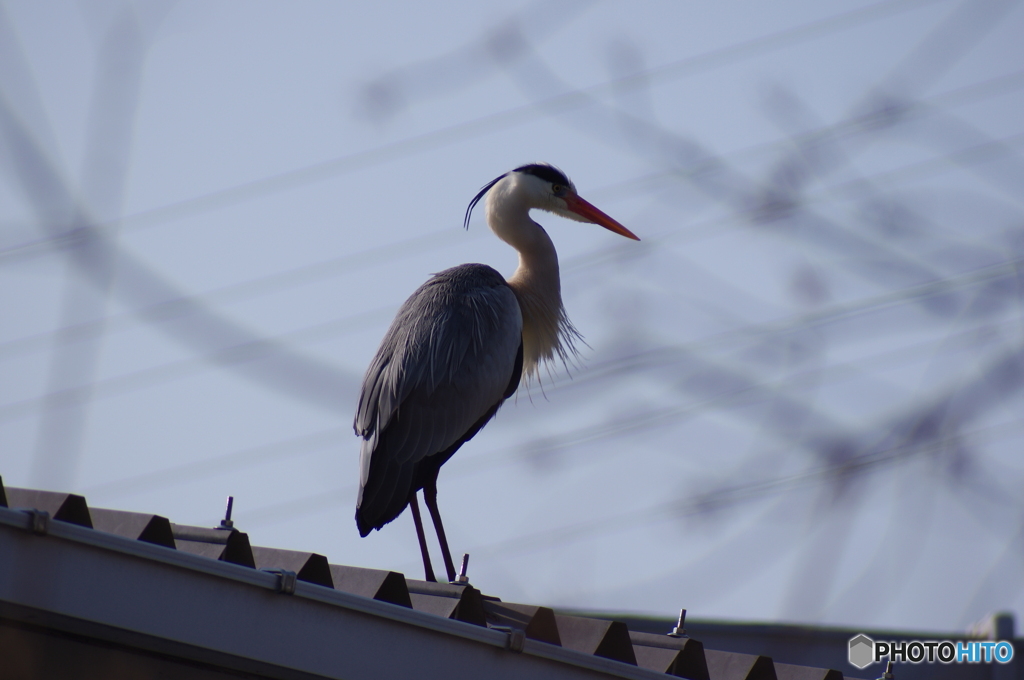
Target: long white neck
{"x": 547, "y": 332}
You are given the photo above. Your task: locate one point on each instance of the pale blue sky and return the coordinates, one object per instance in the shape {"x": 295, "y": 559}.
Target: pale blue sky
{"x": 752, "y": 432}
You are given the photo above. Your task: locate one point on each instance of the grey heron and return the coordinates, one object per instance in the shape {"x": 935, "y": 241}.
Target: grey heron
{"x": 459, "y": 347}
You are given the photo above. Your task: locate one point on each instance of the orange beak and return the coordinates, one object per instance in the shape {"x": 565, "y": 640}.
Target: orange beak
{"x": 592, "y": 214}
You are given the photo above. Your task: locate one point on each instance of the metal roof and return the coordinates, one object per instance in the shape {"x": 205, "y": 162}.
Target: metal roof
{"x": 205, "y": 600}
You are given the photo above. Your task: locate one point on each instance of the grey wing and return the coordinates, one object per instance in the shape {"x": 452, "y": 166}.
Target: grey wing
{"x": 446, "y": 362}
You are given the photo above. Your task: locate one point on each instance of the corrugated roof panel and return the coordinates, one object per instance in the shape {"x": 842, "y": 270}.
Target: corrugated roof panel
{"x": 66, "y": 507}
{"x": 538, "y": 623}
{"x": 660, "y": 660}
{"x": 787, "y": 671}
{"x": 452, "y": 601}
{"x": 309, "y": 567}
{"x": 376, "y": 584}
{"x": 135, "y": 525}
{"x": 139, "y": 595}
{"x": 609, "y": 639}
{"x": 682, "y": 657}
{"x": 227, "y": 545}
{"x": 567, "y": 640}
{"x": 736, "y": 666}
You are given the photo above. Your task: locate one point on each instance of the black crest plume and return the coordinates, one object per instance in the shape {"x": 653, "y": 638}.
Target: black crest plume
{"x": 476, "y": 199}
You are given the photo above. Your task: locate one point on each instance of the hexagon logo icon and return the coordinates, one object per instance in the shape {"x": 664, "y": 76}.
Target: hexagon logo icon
{"x": 862, "y": 651}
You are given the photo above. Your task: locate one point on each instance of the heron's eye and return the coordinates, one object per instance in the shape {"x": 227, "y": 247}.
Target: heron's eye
{"x": 557, "y": 189}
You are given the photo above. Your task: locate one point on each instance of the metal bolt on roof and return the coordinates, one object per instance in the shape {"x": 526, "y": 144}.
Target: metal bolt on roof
{"x": 463, "y": 578}
{"x": 680, "y": 630}
{"x": 226, "y": 523}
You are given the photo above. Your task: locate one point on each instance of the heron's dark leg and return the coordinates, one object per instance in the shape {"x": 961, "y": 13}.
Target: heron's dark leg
{"x": 430, "y": 498}
{"x": 427, "y": 569}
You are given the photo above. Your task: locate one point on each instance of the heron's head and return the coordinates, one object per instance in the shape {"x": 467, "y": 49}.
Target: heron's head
{"x": 545, "y": 187}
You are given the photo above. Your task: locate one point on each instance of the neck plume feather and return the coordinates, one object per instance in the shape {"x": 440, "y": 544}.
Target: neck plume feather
{"x": 547, "y": 332}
